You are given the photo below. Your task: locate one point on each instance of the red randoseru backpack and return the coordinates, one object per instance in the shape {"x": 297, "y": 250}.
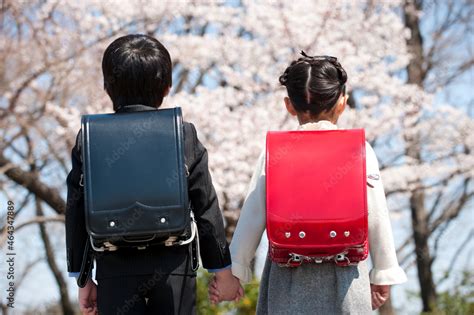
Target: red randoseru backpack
{"x": 316, "y": 197}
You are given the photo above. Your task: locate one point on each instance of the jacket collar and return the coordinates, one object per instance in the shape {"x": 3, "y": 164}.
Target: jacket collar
{"x": 135, "y": 108}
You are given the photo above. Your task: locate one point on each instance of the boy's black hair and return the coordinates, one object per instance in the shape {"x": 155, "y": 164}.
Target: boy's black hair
{"x": 314, "y": 83}
{"x": 137, "y": 70}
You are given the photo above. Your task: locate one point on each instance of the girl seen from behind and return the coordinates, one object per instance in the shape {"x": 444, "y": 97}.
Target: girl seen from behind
{"x": 316, "y": 89}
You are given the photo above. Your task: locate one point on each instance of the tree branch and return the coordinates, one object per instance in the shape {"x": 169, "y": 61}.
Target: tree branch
{"x": 464, "y": 243}
{"x": 31, "y": 182}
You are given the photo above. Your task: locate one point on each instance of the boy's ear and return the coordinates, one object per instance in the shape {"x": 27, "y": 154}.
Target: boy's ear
{"x": 167, "y": 91}
{"x": 289, "y": 106}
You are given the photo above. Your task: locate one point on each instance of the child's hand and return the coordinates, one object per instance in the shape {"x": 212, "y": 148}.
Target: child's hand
{"x": 88, "y": 298}
{"x": 225, "y": 287}
{"x": 380, "y": 294}
{"x": 213, "y": 292}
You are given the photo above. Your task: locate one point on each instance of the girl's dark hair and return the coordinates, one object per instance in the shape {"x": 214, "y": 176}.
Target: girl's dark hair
{"x": 137, "y": 70}
{"x": 314, "y": 83}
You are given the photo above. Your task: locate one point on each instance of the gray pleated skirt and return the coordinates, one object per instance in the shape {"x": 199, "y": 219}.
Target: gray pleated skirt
{"x": 314, "y": 289}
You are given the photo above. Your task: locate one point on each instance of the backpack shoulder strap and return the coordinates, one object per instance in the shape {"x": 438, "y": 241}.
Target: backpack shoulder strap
{"x": 79, "y": 143}
{"x": 188, "y": 145}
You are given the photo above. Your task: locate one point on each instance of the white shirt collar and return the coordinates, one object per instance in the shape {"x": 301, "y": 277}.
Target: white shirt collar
{"x": 320, "y": 125}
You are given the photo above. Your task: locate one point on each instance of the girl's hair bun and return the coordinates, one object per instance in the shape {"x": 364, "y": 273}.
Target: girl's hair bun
{"x": 341, "y": 73}
{"x": 284, "y": 77}
{"x": 314, "y": 83}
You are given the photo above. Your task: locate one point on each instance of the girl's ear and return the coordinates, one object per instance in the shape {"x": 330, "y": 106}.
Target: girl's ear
{"x": 341, "y": 106}
{"x": 289, "y": 106}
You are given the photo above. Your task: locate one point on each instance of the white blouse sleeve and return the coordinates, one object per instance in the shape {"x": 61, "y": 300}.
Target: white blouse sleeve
{"x": 386, "y": 270}
{"x": 250, "y": 226}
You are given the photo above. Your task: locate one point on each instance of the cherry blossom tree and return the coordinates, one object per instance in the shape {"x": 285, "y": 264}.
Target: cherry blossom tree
{"x": 227, "y": 58}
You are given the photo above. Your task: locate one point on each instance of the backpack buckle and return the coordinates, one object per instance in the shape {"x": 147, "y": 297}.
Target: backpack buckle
{"x": 295, "y": 260}
{"x": 342, "y": 260}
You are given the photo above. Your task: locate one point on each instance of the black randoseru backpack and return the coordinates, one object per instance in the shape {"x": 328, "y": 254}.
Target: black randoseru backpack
{"x": 135, "y": 185}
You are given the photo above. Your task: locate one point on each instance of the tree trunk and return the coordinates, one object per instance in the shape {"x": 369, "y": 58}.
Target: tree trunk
{"x": 4, "y": 309}
{"x": 420, "y": 224}
{"x": 421, "y": 234}
{"x": 66, "y": 305}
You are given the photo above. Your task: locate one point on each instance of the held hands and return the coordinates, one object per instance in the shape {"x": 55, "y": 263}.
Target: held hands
{"x": 225, "y": 287}
{"x": 88, "y": 298}
{"x": 380, "y": 294}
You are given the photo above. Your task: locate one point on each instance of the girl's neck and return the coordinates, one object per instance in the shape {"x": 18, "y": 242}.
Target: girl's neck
{"x": 304, "y": 119}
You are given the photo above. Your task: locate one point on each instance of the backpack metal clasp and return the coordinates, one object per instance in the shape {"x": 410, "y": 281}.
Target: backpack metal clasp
{"x": 187, "y": 170}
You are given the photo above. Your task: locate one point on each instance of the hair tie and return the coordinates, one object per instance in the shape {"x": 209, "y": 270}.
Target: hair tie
{"x": 331, "y": 59}
{"x": 304, "y": 54}
{"x": 284, "y": 77}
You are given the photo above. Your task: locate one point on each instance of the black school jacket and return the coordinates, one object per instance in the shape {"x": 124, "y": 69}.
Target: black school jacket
{"x": 160, "y": 260}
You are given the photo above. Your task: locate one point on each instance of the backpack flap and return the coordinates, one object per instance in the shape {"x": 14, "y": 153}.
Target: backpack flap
{"x": 316, "y": 195}
{"x": 134, "y": 175}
